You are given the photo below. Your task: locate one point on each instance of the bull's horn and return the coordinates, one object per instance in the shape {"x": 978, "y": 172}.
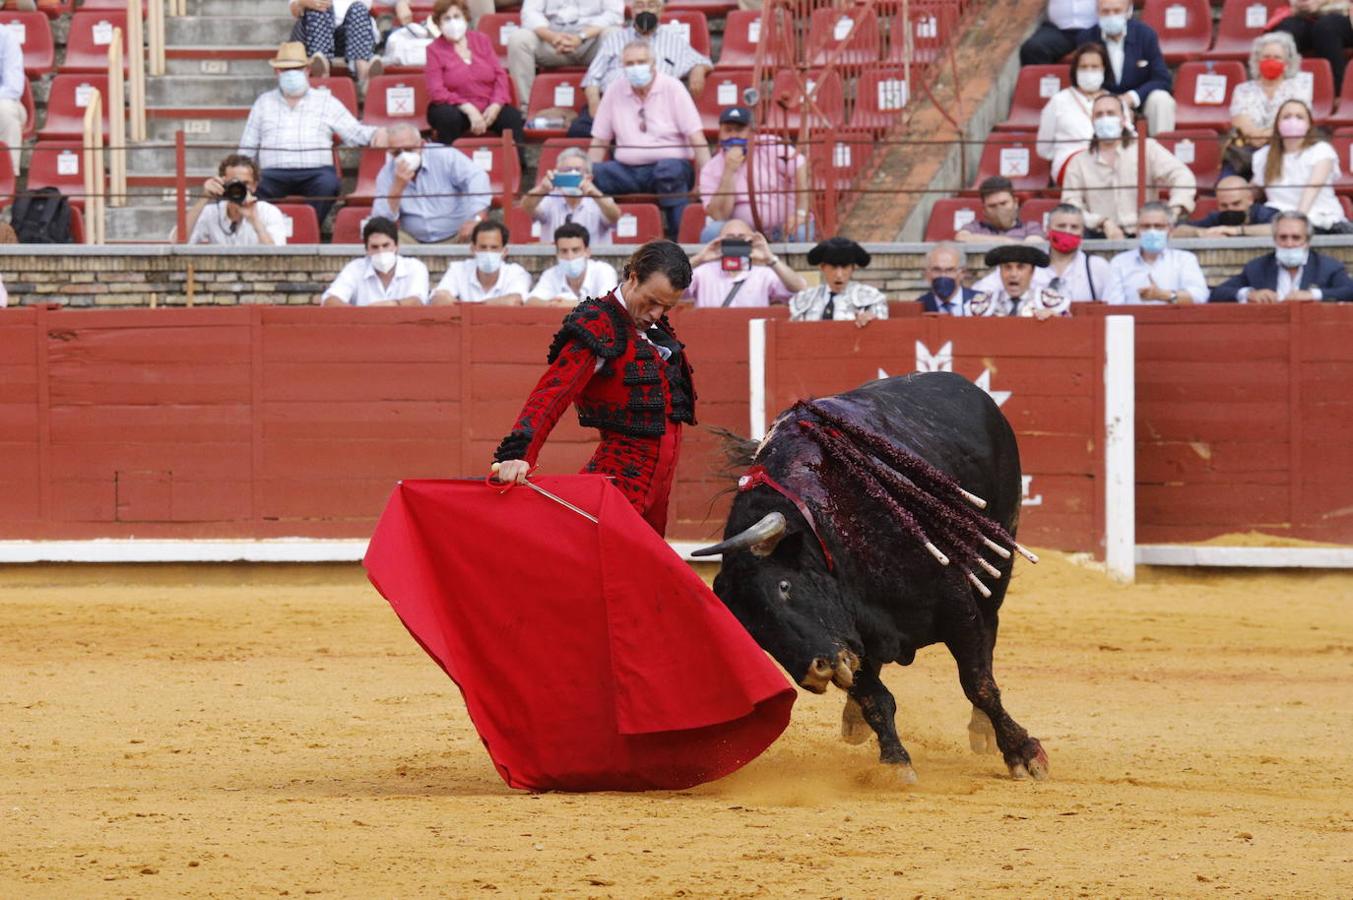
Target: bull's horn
{"x": 768, "y": 531}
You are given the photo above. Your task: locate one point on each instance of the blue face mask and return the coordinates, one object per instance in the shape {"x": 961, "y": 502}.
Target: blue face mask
{"x": 734, "y": 142}
{"x": 943, "y": 287}
{"x": 1113, "y": 25}
{"x": 292, "y": 82}
{"x": 1153, "y": 240}
{"x": 639, "y": 74}
{"x": 1291, "y": 257}
{"x": 575, "y": 267}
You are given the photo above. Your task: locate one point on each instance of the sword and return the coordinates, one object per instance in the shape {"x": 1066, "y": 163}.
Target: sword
{"x": 562, "y": 502}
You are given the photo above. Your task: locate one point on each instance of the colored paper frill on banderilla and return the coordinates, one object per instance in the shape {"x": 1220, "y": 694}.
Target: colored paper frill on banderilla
{"x": 590, "y": 656}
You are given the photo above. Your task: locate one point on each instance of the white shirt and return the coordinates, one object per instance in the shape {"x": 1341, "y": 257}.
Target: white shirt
{"x": 1078, "y": 14}
{"x": 598, "y": 280}
{"x": 462, "y": 282}
{"x": 278, "y": 135}
{"x": 572, "y": 16}
{"x": 1296, "y": 175}
{"x": 1116, "y": 51}
{"x": 554, "y": 210}
{"x": 1172, "y": 270}
{"x": 215, "y": 227}
{"x": 1064, "y": 127}
{"x": 360, "y": 285}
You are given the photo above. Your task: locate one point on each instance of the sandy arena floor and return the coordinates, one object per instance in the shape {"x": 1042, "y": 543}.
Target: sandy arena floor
{"x": 238, "y": 731}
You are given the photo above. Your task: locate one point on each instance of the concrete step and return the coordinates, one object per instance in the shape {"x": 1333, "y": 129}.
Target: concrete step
{"x": 202, "y": 126}
{"x": 141, "y": 222}
{"x": 222, "y": 62}
{"x": 232, "y": 30}
{"x": 258, "y": 8}
{"x": 180, "y": 91}
{"x": 161, "y": 160}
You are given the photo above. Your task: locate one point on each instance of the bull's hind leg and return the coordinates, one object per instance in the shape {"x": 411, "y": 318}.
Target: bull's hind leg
{"x": 880, "y": 711}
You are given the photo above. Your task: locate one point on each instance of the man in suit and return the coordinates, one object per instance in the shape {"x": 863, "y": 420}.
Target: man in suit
{"x": 1293, "y": 271}
{"x": 944, "y": 266}
{"x": 1137, "y": 70}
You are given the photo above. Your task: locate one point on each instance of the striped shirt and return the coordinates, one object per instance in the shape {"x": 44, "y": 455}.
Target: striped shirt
{"x": 671, "y": 48}
{"x": 280, "y": 136}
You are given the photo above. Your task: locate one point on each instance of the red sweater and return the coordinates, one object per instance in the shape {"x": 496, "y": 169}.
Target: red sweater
{"x": 482, "y": 81}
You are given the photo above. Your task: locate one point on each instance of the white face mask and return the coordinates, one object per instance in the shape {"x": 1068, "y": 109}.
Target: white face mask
{"x": 575, "y": 267}
{"x": 1090, "y": 80}
{"x": 488, "y": 261}
{"x": 411, "y": 158}
{"x": 454, "y": 27}
{"x": 1108, "y": 128}
{"x": 384, "y": 261}
{"x": 639, "y": 74}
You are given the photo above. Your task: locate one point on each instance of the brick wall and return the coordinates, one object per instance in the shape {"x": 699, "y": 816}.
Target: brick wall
{"x": 109, "y": 276}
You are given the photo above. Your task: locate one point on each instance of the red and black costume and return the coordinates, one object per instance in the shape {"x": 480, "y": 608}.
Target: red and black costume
{"x": 636, "y": 388}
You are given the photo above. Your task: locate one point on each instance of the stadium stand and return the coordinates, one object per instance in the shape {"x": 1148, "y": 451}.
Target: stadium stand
{"x": 33, "y": 31}
{"x": 91, "y": 31}
{"x": 498, "y": 157}
{"x": 638, "y": 224}
{"x": 1183, "y": 26}
{"x": 1032, "y": 90}
{"x": 302, "y": 225}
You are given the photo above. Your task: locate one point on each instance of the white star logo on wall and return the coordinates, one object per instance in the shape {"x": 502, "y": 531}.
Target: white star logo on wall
{"x": 943, "y": 361}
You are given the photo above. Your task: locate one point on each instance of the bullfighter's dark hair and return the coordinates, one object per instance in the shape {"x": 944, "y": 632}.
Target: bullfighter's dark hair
{"x": 660, "y": 256}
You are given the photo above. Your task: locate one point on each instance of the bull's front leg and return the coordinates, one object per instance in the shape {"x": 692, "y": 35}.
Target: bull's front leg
{"x": 879, "y": 709}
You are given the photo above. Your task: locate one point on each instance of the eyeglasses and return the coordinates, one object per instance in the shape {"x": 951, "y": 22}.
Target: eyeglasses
{"x": 568, "y": 218}
{"x": 643, "y": 120}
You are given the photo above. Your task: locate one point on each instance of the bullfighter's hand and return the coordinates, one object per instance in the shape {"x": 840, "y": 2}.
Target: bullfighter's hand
{"x": 512, "y": 471}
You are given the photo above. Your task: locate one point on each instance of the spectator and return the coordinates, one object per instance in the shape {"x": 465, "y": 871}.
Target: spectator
{"x": 1000, "y": 222}
{"x": 485, "y": 277}
{"x": 557, "y": 33}
{"x": 1321, "y": 29}
{"x": 467, "y": 85}
{"x": 1065, "y": 129}
{"x": 1071, "y": 272}
{"x": 837, "y": 298}
{"x": 383, "y": 277}
{"x": 756, "y": 280}
{"x": 13, "y": 116}
{"x": 584, "y": 205}
{"x": 944, "y": 266}
{"x": 1155, "y": 272}
{"x": 1274, "y": 65}
{"x": 1291, "y": 271}
{"x": 1137, "y": 69}
{"x": 782, "y": 188}
{"x": 1237, "y": 213}
{"x": 435, "y": 193}
{"x": 478, "y": 8}
{"x": 671, "y": 45}
{"x": 1103, "y": 180}
{"x": 219, "y": 218}
{"x": 290, "y": 132}
{"x": 1298, "y": 171}
{"x": 1057, "y": 36}
{"x": 575, "y": 275}
{"x": 657, "y": 133}
{"x": 331, "y": 28}
{"x": 1017, "y": 294}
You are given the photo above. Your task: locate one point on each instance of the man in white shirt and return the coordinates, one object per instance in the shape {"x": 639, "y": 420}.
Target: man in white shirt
{"x": 383, "y": 277}
{"x": 1056, "y": 37}
{"x": 485, "y": 277}
{"x": 576, "y": 275}
{"x": 557, "y": 33}
{"x": 216, "y": 218}
{"x": 1155, "y": 272}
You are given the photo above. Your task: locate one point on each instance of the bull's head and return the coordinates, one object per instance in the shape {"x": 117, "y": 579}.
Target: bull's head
{"x": 775, "y": 579}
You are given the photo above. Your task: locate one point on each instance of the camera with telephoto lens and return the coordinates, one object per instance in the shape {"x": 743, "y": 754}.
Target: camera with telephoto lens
{"x": 736, "y": 254}
{"x": 235, "y": 191}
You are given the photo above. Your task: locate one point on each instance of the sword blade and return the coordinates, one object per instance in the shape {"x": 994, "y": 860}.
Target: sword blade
{"x": 562, "y": 502}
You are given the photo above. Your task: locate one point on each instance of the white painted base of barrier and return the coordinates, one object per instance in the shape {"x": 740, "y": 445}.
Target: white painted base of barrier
{"x": 1245, "y": 557}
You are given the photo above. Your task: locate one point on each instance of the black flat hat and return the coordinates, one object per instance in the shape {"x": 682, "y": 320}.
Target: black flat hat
{"x": 1021, "y": 253}
{"x": 838, "y": 251}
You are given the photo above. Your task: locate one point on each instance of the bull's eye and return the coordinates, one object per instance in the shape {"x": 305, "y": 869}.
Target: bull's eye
{"x": 784, "y": 590}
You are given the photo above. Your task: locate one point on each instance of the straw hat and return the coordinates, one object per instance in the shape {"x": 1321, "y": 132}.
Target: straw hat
{"x": 290, "y": 55}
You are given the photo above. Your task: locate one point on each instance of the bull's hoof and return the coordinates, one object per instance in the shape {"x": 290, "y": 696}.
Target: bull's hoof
{"x": 904, "y": 774}
{"x": 1030, "y": 762}
{"x": 981, "y": 734}
{"x": 854, "y": 729}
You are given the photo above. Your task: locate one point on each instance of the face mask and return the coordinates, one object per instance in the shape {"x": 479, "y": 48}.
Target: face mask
{"x": 1272, "y": 69}
{"x": 1113, "y": 25}
{"x": 1064, "y": 241}
{"x": 943, "y": 287}
{"x": 1090, "y": 80}
{"x": 639, "y": 74}
{"x": 384, "y": 261}
{"x": 575, "y": 267}
{"x": 646, "y": 22}
{"x": 1108, "y": 128}
{"x": 734, "y": 142}
{"x": 1293, "y": 127}
{"x": 292, "y": 82}
{"x": 1291, "y": 257}
{"x": 1152, "y": 240}
{"x": 411, "y": 158}
{"x": 1232, "y": 217}
{"x": 488, "y": 261}
{"x": 453, "y": 28}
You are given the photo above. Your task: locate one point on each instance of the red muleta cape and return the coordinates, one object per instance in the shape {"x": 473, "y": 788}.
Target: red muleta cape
{"x": 590, "y": 656}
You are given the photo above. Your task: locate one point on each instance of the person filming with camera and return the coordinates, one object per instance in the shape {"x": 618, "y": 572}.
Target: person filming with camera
{"x": 229, "y": 214}
{"x": 738, "y": 268}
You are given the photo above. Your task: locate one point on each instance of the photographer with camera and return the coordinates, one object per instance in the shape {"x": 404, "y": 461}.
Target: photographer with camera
{"x": 738, "y": 269}
{"x": 783, "y": 194}
{"x": 229, "y": 214}
{"x": 566, "y": 195}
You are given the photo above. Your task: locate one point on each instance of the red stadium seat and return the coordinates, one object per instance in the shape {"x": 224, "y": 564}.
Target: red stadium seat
{"x": 1202, "y": 93}
{"x": 692, "y": 223}
{"x": 1342, "y": 142}
{"x": 90, "y": 35}
{"x": 1343, "y": 115}
{"x": 932, "y": 27}
{"x": 553, "y": 90}
{"x": 1037, "y": 209}
{"x": 639, "y": 223}
{"x": 723, "y": 88}
{"x": 1199, "y": 150}
{"x": 368, "y": 167}
{"x": 343, "y": 89}
{"x": 1035, "y": 86}
{"x": 836, "y": 162}
{"x": 790, "y": 100}
{"x": 498, "y": 27}
{"x": 33, "y": 32}
{"x": 348, "y": 224}
{"x": 743, "y": 30}
{"x": 497, "y": 156}
{"x": 66, "y": 102}
{"x": 697, "y": 27}
{"x": 1203, "y": 206}
{"x": 1183, "y": 26}
{"x": 302, "y": 224}
{"x": 1012, "y": 154}
{"x": 550, "y": 150}
{"x": 30, "y": 125}
{"x": 1241, "y": 22}
{"x": 395, "y": 99}
{"x": 711, "y": 8}
{"x": 524, "y": 228}
{"x": 58, "y": 164}
{"x": 880, "y": 97}
{"x": 53, "y": 8}
{"x": 950, "y": 214}
{"x": 6, "y": 177}
{"x": 1316, "y": 72}
{"x": 854, "y": 29}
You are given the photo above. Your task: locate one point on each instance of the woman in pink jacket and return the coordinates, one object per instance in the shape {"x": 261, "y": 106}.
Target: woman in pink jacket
{"x": 467, "y": 85}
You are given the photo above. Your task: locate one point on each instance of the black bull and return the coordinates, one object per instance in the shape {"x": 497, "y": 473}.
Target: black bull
{"x": 884, "y": 596}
